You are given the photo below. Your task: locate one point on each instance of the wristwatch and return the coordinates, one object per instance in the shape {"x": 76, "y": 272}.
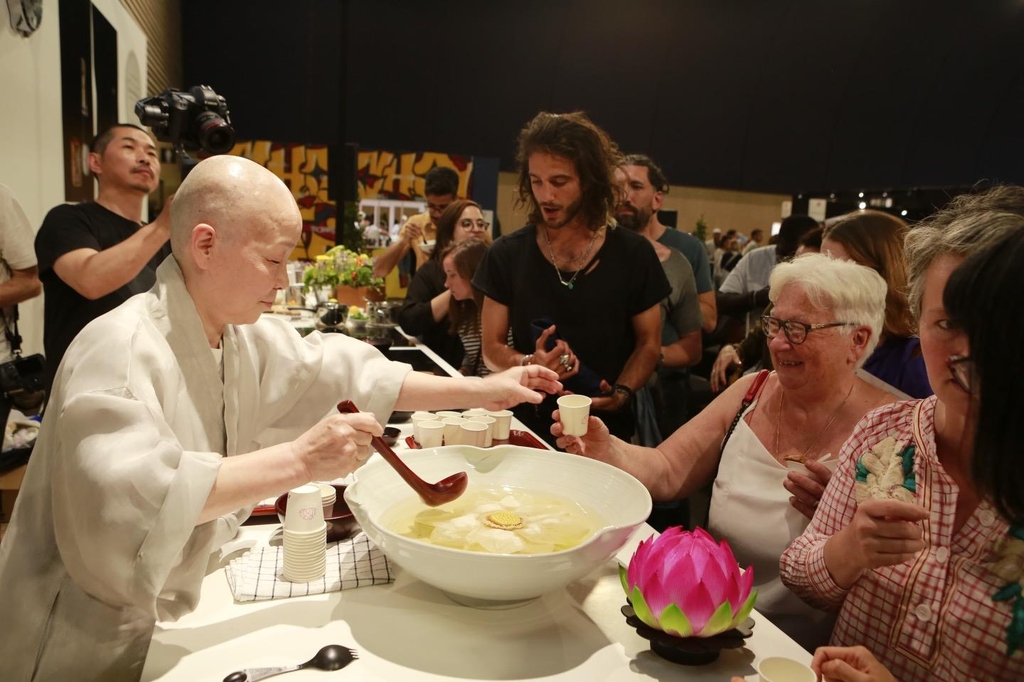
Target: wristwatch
{"x": 527, "y": 359}
{"x": 623, "y": 388}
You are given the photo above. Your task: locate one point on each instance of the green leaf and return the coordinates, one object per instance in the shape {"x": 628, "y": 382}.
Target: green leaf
{"x": 643, "y": 612}
{"x": 862, "y": 471}
{"x": 1015, "y": 630}
{"x": 622, "y": 577}
{"x": 745, "y": 610}
{"x": 675, "y": 622}
{"x": 1009, "y": 591}
{"x": 720, "y": 621}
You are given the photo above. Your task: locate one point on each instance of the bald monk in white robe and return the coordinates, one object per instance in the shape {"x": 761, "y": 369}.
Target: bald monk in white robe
{"x": 172, "y": 416}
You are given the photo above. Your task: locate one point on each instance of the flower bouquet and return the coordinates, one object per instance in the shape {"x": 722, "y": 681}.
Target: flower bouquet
{"x": 349, "y": 275}
{"x": 687, "y": 596}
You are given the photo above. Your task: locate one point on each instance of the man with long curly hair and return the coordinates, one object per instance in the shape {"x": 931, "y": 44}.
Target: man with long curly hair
{"x": 580, "y": 296}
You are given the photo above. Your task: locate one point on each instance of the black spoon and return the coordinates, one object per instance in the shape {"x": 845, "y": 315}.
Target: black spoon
{"x": 331, "y": 657}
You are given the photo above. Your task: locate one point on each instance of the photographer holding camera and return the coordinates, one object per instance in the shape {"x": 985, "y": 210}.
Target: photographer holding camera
{"x": 19, "y": 276}
{"x": 96, "y": 255}
{"x": 19, "y": 282}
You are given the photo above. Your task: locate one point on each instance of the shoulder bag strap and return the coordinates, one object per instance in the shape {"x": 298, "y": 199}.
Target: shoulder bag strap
{"x": 755, "y": 388}
{"x": 13, "y": 337}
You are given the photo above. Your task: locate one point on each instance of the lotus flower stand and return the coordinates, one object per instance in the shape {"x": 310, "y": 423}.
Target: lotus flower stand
{"x": 689, "y": 650}
{"x": 687, "y": 596}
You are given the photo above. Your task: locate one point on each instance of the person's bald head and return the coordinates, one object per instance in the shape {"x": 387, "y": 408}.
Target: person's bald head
{"x": 238, "y": 198}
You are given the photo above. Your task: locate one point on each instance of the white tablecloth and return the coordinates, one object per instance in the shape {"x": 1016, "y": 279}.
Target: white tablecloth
{"x": 408, "y": 630}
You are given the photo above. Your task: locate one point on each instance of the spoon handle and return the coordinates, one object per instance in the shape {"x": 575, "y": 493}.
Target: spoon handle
{"x": 389, "y": 455}
{"x": 254, "y": 674}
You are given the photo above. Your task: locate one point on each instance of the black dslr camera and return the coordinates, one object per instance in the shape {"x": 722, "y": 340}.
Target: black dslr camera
{"x": 23, "y": 382}
{"x": 194, "y": 120}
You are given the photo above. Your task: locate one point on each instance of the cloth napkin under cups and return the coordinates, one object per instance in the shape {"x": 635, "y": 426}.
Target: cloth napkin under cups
{"x": 258, "y": 574}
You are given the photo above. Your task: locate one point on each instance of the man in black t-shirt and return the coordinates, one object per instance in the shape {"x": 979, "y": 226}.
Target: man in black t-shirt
{"x": 95, "y": 255}
{"x": 580, "y": 295}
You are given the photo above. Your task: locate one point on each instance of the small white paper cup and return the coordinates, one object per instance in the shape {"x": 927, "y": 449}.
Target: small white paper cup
{"x": 431, "y": 434}
{"x": 452, "y": 430}
{"x": 574, "y": 411}
{"x": 445, "y": 414}
{"x": 502, "y": 423}
{"x": 474, "y": 412}
{"x": 305, "y": 512}
{"x": 473, "y": 433}
{"x": 423, "y": 417}
{"x": 779, "y": 669}
{"x": 490, "y": 422}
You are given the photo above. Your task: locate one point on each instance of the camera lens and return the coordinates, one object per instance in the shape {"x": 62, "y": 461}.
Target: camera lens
{"x": 215, "y": 135}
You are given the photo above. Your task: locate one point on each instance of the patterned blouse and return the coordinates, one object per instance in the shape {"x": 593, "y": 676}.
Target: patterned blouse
{"x": 934, "y": 618}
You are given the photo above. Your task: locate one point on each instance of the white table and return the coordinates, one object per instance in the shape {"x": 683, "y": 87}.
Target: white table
{"x": 410, "y": 631}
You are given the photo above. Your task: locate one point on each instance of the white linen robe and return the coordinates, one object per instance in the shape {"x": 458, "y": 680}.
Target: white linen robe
{"x": 103, "y": 539}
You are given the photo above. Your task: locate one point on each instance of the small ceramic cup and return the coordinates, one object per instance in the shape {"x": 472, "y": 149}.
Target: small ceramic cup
{"x": 502, "y": 423}
{"x": 574, "y": 411}
{"x": 779, "y": 669}
{"x": 430, "y": 434}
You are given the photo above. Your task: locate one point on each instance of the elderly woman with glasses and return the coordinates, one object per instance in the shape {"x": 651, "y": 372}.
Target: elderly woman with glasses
{"x": 906, "y": 541}
{"x": 826, "y": 319}
{"x": 425, "y": 310}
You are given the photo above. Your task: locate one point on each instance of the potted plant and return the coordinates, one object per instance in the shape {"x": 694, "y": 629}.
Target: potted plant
{"x": 344, "y": 275}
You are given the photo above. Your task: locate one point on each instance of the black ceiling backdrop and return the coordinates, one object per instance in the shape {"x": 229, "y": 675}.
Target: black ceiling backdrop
{"x": 788, "y": 96}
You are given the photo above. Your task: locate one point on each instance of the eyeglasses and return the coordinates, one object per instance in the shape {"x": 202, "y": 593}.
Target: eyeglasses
{"x": 474, "y": 226}
{"x": 437, "y": 208}
{"x": 796, "y": 332}
{"x": 963, "y": 370}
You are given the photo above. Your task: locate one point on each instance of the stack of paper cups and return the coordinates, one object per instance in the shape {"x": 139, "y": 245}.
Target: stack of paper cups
{"x": 305, "y": 535}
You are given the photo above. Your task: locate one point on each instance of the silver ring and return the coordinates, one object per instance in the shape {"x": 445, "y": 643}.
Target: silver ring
{"x": 563, "y": 360}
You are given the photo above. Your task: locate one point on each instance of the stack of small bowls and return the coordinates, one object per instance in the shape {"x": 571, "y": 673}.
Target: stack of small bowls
{"x": 305, "y": 535}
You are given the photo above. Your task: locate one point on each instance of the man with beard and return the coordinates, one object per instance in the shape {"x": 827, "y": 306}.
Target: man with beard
{"x": 648, "y": 186}
{"x": 680, "y": 311}
{"x": 580, "y": 296}
{"x": 96, "y": 255}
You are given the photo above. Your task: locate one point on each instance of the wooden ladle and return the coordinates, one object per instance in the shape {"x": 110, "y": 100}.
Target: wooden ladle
{"x": 432, "y": 494}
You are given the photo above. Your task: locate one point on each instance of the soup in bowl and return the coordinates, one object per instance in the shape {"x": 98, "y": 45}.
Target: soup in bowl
{"x": 531, "y": 521}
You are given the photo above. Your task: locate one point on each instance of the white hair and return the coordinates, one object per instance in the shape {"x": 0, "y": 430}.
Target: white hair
{"x": 854, "y": 293}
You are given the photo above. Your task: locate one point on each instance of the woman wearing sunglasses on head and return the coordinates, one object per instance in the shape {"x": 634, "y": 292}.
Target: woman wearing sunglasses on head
{"x": 918, "y": 541}
{"x": 826, "y": 319}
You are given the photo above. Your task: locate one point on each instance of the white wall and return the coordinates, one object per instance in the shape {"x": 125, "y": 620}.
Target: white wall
{"x": 31, "y": 132}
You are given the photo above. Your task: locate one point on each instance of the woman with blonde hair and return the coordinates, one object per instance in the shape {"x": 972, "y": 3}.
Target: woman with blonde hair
{"x": 875, "y": 239}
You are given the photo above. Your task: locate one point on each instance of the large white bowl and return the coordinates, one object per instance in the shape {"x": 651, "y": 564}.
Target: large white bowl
{"x": 494, "y": 578}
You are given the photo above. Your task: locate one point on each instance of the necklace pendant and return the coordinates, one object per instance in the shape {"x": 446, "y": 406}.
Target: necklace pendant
{"x": 569, "y": 285}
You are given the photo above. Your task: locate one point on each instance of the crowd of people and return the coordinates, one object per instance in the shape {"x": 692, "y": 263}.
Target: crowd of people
{"x": 859, "y": 448}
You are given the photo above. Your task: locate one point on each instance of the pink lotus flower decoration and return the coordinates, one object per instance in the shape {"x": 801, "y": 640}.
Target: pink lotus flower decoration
{"x": 688, "y": 585}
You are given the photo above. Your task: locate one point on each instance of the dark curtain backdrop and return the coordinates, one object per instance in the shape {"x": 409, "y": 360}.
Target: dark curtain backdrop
{"x": 784, "y": 96}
